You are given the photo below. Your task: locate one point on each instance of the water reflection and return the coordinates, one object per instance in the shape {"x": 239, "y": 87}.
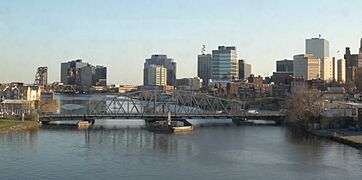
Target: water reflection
{"x": 22, "y": 141}
{"x": 27, "y": 136}
{"x": 302, "y": 138}
{"x": 132, "y": 140}
{"x": 233, "y": 152}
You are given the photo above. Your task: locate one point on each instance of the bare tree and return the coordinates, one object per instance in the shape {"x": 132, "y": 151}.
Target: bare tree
{"x": 350, "y": 87}
{"x": 304, "y": 106}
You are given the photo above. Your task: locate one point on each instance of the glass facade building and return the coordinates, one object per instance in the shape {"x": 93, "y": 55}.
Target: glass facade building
{"x": 224, "y": 64}
{"x": 204, "y": 68}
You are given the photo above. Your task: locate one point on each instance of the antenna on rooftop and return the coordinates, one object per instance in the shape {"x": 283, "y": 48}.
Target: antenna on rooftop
{"x": 203, "y": 50}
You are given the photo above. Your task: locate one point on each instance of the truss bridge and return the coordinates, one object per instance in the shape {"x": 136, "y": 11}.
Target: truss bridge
{"x": 157, "y": 104}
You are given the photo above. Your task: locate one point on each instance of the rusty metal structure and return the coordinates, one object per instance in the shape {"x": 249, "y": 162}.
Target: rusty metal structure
{"x": 41, "y": 77}
{"x": 65, "y": 89}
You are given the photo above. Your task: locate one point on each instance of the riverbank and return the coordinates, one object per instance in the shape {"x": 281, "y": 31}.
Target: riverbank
{"x": 344, "y": 136}
{"x": 7, "y": 126}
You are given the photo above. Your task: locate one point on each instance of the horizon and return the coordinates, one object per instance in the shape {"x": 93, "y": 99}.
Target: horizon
{"x": 121, "y": 35}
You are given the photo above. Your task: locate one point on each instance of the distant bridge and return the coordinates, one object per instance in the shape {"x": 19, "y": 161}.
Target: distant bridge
{"x": 157, "y": 103}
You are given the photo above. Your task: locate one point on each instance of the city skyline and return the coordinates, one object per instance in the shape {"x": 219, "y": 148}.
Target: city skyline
{"x": 120, "y": 35}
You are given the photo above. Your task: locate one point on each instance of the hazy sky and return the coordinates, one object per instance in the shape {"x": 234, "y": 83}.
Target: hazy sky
{"x": 121, "y": 34}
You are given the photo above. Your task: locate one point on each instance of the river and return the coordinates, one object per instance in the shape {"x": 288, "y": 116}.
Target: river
{"x": 117, "y": 151}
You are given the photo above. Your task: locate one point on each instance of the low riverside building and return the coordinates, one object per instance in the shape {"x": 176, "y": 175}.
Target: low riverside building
{"x": 356, "y": 113}
{"x": 13, "y": 108}
{"x": 151, "y": 88}
{"x": 335, "y": 94}
{"x": 300, "y": 83}
{"x": 247, "y": 90}
{"x": 19, "y": 91}
{"x": 98, "y": 89}
{"x": 189, "y": 83}
{"x": 17, "y": 99}
{"x": 127, "y": 88}
{"x": 341, "y": 114}
{"x": 282, "y": 78}
{"x": 257, "y": 80}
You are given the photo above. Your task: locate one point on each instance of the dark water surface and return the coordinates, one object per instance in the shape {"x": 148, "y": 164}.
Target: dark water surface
{"x": 218, "y": 152}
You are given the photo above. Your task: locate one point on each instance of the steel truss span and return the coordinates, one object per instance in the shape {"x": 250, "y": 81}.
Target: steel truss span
{"x": 159, "y": 102}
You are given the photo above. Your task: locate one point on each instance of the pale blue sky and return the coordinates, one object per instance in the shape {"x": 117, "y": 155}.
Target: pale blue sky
{"x": 121, "y": 34}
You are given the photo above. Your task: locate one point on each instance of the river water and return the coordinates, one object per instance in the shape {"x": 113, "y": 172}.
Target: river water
{"x": 117, "y": 151}
{"x": 123, "y": 149}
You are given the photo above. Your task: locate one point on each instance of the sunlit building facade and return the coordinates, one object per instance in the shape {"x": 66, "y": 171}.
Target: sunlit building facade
{"x": 224, "y": 64}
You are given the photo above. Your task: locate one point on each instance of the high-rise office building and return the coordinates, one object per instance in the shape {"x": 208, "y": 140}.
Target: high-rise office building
{"x": 285, "y": 66}
{"x": 244, "y": 69}
{"x": 306, "y": 66}
{"x": 69, "y": 74}
{"x": 82, "y": 75}
{"x": 327, "y": 69}
{"x": 164, "y": 61}
{"x": 99, "y": 75}
{"x": 341, "y": 71}
{"x": 156, "y": 75}
{"x": 86, "y": 78}
{"x": 204, "y": 68}
{"x": 353, "y": 62}
{"x": 224, "y": 64}
{"x": 284, "y": 72}
{"x": 319, "y": 48}
{"x": 335, "y": 69}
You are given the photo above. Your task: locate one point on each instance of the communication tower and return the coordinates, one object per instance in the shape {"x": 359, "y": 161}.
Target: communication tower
{"x": 203, "y": 50}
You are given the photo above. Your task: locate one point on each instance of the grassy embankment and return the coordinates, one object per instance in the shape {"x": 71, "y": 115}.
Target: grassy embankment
{"x": 8, "y": 123}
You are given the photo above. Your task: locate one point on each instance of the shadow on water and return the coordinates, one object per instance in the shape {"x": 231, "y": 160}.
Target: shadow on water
{"x": 131, "y": 139}
{"x": 297, "y": 136}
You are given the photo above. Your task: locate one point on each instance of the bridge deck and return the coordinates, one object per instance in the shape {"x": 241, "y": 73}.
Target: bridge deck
{"x": 70, "y": 117}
